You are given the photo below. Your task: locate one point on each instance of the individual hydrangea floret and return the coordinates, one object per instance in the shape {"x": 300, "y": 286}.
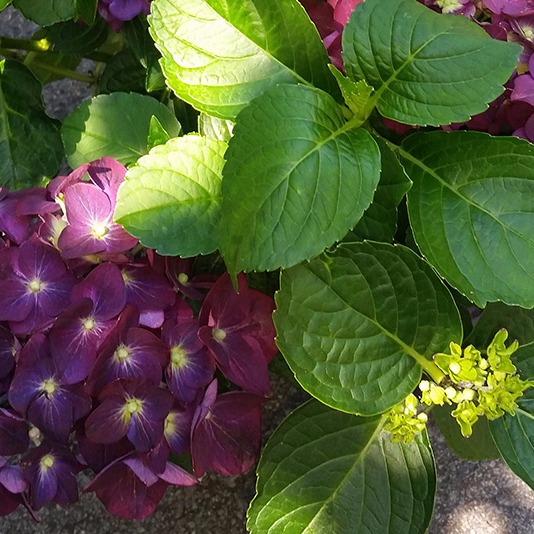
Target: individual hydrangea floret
{"x": 405, "y": 421}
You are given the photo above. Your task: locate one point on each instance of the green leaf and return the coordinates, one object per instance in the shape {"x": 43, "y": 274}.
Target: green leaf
{"x": 426, "y": 69}
{"x": 113, "y": 125}
{"x": 123, "y": 72}
{"x": 46, "y": 13}
{"x": 86, "y": 10}
{"x": 471, "y": 212}
{"x": 30, "y": 144}
{"x": 4, "y": 4}
{"x": 44, "y": 64}
{"x": 219, "y": 54}
{"x": 379, "y": 222}
{"x": 479, "y": 446}
{"x": 514, "y": 437}
{"x": 520, "y": 325}
{"x": 171, "y": 197}
{"x": 157, "y": 135}
{"x": 324, "y": 471}
{"x": 76, "y": 37}
{"x": 297, "y": 178}
{"x": 358, "y": 327}
{"x": 215, "y": 128}
{"x": 355, "y": 94}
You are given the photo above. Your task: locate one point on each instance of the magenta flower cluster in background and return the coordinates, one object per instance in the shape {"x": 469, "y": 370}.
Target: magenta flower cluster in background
{"x": 105, "y": 366}
{"x": 506, "y": 20}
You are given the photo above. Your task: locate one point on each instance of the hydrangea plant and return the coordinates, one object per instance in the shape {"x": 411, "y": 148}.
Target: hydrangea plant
{"x": 373, "y": 158}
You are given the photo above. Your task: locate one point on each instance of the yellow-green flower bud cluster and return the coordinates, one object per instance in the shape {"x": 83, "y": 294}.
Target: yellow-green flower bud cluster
{"x": 480, "y": 384}
{"x": 404, "y": 421}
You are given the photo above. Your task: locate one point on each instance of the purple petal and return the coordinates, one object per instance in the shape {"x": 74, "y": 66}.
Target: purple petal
{"x": 13, "y": 433}
{"x": 177, "y": 476}
{"x": 12, "y": 478}
{"x": 106, "y": 424}
{"x": 107, "y": 174}
{"x": 125, "y": 9}
{"x": 524, "y": 89}
{"x": 105, "y": 287}
{"x": 98, "y": 455}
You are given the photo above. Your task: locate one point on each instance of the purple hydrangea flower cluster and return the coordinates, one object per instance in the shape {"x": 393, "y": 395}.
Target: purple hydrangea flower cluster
{"x": 115, "y": 12}
{"x": 105, "y": 366}
{"x": 506, "y": 20}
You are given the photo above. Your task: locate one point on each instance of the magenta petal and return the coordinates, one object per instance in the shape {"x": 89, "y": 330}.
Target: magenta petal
{"x": 177, "y": 476}
{"x": 143, "y": 472}
{"x": 524, "y": 89}
{"x": 107, "y": 174}
{"x": 12, "y": 478}
{"x": 228, "y": 441}
{"x": 123, "y": 494}
{"x": 125, "y": 9}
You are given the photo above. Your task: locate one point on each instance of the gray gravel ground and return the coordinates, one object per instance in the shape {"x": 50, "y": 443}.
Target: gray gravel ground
{"x": 473, "y": 497}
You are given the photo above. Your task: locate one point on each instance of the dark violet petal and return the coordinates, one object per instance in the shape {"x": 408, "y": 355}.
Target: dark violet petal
{"x": 190, "y": 367}
{"x": 106, "y": 423}
{"x": 13, "y": 433}
{"x": 16, "y": 227}
{"x": 152, "y": 318}
{"x": 74, "y": 338}
{"x": 177, "y": 431}
{"x": 118, "y": 239}
{"x": 60, "y": 183}
{"x": 75, "y": 241}
{"x": 8, "y": 501}
{"x": 98, "y": 455}
{"x": 147, "y": 289}
{"x": 124, "y": 494}
{"x": 55, "y": 414}
{"x": 38, "y": 259}
{"x": 16, "y": 302}
{"x": 229, "y": 440}
{"x": 105, "y": 287}
{"x": 240, "y": 358}
{"x": 27, "y": 385}
{"x": 8, "y": 348}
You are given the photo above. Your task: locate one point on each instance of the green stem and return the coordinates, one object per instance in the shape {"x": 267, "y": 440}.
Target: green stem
{"x": 42, "y": 45}
{"x": 68, "y": 73}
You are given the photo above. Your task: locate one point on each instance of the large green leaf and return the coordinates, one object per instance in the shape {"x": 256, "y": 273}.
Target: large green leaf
{"x": 358, "y": 327}
{"x": 478, "y": 446}
{"x": 171, "y": 198}
{"x": 520, "y": 325}
{"x": 472, "y": 213}
{"x": 219, "y": 54}
{"x": 48, "y": 12}
{"x": 297, "y": 179}
{"x": 514, "y": 437}
{"x": 30, "y": 144}
{"x": 324, "y": 471}
{"x": 115, "y": 125}
{"x": 426, "y": 68}
{"x": 379, "y": 222}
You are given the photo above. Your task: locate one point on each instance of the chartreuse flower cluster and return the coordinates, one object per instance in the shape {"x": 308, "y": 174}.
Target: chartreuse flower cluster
{"x": 476, "y": 383}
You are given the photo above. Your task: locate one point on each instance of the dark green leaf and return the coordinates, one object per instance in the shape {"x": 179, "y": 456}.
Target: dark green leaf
{"x": 86, "y": 10}
{"x": 479, "y": 446}
{"x": 113, "y": 125}
{"x": 123, "y": 72}
{"x": 77, "y": 37}
{"x": 514, "y": 437}
{"x": 324, "y": 471}
{"x": 4, "y": 4}
{"x": 30, "y": 144}
{"x": 218, "y": 55}
{"x": 46, "y": 13}
{"x": 171, "y": 197}
{"x": 471, "y": 212}
{"x": 44, "y": 64}
{"x": 357, "y": 328}
{"x": 297, "y": 178}
{"x": 379, "y": 222}
{"x": 424, "y": 67}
